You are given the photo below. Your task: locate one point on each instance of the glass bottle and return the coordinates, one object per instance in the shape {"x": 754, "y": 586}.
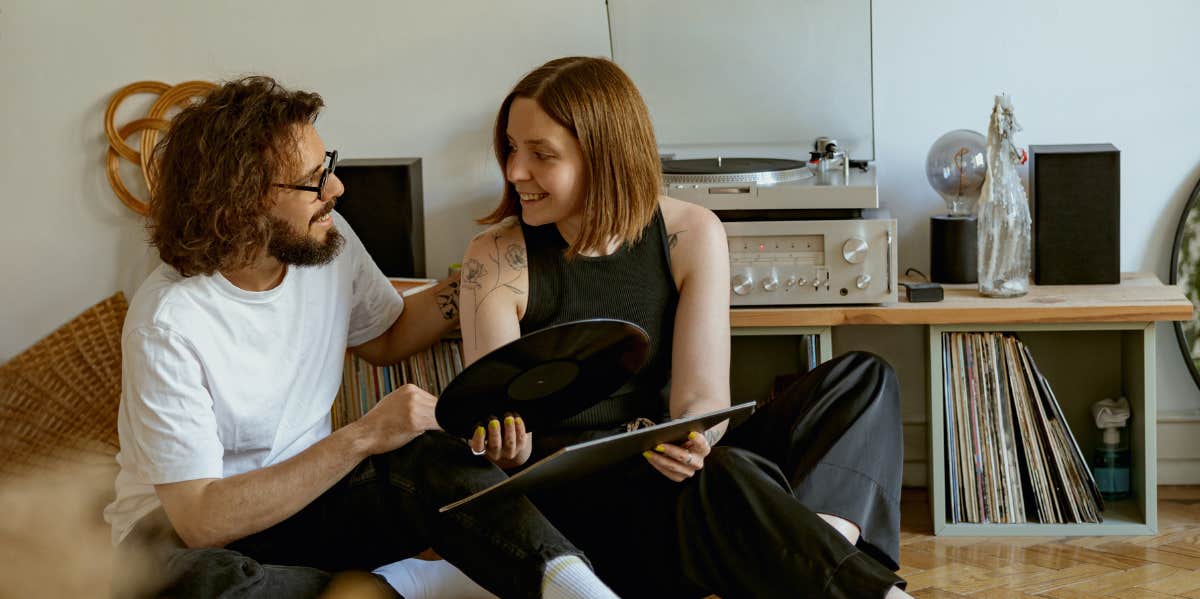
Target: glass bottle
{"x": 1003, "y": 212}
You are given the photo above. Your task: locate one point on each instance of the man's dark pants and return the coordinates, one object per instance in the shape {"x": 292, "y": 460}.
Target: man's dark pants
{"x": 385, "y": 510}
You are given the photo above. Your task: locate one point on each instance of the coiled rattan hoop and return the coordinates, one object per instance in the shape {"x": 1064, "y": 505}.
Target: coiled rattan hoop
{"x": 149, "y": 126}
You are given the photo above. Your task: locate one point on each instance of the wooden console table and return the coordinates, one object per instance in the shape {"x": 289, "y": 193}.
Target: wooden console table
{"x": 1114, "y": 322}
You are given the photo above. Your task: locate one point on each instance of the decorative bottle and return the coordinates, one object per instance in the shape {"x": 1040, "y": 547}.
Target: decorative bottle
{"x": 1003, "y": 212}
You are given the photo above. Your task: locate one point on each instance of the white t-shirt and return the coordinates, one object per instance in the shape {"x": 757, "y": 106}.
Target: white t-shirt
{"x": 217, "y": 381}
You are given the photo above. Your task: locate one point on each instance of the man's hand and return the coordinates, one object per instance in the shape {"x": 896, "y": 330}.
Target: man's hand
{"x": 506, "y": 444}
{"x": 398, "y": 418}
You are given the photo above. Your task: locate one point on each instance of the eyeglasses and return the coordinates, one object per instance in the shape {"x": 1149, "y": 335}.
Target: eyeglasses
{"x": 320, "y": 186}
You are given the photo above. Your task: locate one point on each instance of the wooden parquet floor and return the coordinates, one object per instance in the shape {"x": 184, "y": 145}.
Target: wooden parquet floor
{"x": 1150, "y": 567}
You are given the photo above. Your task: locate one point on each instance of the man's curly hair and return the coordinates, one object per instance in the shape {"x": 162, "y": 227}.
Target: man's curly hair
{"x": 214, "y": 169}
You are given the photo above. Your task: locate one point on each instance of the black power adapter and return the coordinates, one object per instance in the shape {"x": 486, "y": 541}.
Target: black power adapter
{"x": 923, "y": 292}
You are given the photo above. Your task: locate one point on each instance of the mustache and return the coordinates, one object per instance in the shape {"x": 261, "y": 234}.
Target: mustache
{"x": 326, "y": 210}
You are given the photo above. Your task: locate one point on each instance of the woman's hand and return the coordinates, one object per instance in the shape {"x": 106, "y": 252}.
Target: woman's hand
{"x": 506, "y": 444}
{"x": 680, "y": 462}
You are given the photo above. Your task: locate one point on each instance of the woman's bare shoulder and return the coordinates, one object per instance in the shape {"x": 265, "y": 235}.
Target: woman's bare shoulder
{"x": 501, "y": 245}
{"x": 508, "y": 229}
{"x": 684, "y": 218}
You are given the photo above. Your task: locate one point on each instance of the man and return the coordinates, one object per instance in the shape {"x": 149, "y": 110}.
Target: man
{"x": 232, "y": 355}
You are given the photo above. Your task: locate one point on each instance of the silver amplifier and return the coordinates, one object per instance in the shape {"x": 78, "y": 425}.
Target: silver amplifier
{"x": 779, "y": 263}
{"x": 796, "y": 237}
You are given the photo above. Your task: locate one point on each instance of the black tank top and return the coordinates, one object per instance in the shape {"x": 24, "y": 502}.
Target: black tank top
{"x": 633, "y": 284}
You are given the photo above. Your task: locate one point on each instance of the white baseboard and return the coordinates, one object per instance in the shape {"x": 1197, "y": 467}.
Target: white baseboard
{"x": 1178, "y": 450}
{"x": 1179, "y": 472}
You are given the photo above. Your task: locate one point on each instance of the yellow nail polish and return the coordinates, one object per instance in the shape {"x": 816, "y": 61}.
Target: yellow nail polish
{"x": 520, "y": 422}
{"x": 509, "y": 420}
{"x": 692, "y": 435}
{"x": 659, "y": 448}
{"x": 479, "y": 432}
{"x": 646, "y": 454}
{"x": 494, "y": 424}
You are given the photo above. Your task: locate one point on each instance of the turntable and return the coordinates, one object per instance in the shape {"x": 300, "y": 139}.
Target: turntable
{"x": 738, "y": 184}
{"x": 799, "y": 233}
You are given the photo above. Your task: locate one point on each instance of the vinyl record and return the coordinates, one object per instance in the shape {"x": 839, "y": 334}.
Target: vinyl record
{"x": 545, "y": 376}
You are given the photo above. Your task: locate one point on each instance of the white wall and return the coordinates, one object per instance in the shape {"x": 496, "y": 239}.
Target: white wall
{"x": 423, "y": 79}
{"x": 411, "y": 78}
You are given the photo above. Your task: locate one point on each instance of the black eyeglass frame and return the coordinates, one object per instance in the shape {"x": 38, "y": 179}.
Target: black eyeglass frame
{"x": 320, "y": 186}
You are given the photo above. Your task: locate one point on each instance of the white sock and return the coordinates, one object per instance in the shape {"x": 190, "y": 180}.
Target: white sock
{"x": 431, "y": 579}
{"x": 568, "y": 577}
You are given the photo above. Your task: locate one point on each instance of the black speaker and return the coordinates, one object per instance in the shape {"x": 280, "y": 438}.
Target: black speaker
{"x": 953, "y": 247}
{"x": 1075, "y": 202}
{"x": 384, "y": 205}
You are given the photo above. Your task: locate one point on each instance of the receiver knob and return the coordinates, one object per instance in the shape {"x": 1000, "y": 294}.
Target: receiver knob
{"x": 743, "y": 284}
{"x": 770, "y": 284}
{"x": 855, "y": 250}
{"x": 862, "y": 281}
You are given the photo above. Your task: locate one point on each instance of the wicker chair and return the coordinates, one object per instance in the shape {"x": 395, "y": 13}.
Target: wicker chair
{"x": 58, "y": 439}
{"x": 59, "y": 398}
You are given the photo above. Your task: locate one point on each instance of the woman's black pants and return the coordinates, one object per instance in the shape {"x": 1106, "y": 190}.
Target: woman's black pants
{"x": 746, "y": 525}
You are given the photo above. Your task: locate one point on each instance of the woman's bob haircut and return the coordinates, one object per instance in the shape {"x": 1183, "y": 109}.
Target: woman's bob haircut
{"x": 597, "y": 102}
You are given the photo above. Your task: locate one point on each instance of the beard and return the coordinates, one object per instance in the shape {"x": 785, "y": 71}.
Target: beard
{"x": 299, "y": 249}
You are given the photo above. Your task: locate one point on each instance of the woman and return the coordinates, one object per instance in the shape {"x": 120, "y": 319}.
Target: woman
{"x": 582, "y": 232}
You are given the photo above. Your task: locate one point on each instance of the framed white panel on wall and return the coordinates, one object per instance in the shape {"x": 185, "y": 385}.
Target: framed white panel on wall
{"x": 750, "y": 74}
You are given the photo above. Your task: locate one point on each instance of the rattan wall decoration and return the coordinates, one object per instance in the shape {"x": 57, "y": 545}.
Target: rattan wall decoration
{"x": 149, "y": 126}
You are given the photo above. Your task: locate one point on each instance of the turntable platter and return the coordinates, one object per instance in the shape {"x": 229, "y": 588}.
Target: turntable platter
{"x": 763, "y": 171}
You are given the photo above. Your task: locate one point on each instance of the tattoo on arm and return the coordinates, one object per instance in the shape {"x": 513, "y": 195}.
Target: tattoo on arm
{"x": 673, "y": 239}
{"x": 447, "y": 300}
{"x": 475, "y": 271}
{"x": 712, "y": 436}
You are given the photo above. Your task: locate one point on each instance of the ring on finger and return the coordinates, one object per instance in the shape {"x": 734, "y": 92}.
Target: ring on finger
{"x": 480, "y": 452}
{"x": 689, "y": 459}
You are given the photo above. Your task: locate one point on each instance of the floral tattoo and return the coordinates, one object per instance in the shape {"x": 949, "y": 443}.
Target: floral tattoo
{"x": 474, "y": 273}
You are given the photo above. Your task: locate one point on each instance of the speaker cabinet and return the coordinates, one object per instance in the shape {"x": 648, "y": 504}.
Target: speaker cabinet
{"x": 953, "y": 248}
{"x": 1075, "y": 201}
{"x": 384, "y": 205}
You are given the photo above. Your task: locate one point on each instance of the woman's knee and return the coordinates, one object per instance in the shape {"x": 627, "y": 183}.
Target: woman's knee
{"x": 733, "y": 466}
{"x": 870, "y": 365}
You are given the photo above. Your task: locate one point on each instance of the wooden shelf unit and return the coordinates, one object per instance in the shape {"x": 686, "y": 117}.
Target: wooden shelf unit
{"x": 1129, "y": 352}
{"x": 1119, "y": 318}
{"x": 1140, "y": 297}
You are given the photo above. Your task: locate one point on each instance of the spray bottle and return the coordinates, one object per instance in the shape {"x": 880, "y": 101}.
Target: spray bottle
{"x": 1111, "y": 459}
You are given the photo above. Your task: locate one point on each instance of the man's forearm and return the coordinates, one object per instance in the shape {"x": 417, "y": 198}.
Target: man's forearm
{"x": 228, "y": 509}
{"x": 427, "y": 317}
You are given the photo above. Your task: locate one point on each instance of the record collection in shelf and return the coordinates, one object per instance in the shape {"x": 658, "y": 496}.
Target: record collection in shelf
{"x": 363, "y": 385}
{"x": 1010, "y": 454}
